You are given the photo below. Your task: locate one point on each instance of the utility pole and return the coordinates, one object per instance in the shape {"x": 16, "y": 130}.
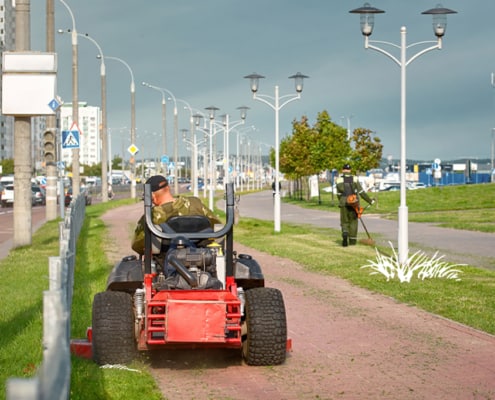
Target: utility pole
{"x": 51, "y": 125}
{"x": 22, "y": 141}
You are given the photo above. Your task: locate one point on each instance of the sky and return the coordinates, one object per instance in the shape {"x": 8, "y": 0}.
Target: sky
{"x": 201, "y": 50}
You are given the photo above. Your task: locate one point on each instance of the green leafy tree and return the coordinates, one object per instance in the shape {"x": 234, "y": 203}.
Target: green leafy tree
{"x": 332, "y": 148}
{"x": 7, "y": 166}
{"x": 92, "y": 170}
{"x": 117, "y": 162}
{"x": 367, "y": 151}
{"x": 295, "y": 158}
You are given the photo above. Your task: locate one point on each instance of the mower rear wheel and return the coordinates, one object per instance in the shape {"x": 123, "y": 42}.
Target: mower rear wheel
{"x": 113, "y": 328}
{"x": 266, "y": 327}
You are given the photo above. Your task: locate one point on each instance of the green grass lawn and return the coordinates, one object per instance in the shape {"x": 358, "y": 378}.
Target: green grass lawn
{"x": 24, "y": 277}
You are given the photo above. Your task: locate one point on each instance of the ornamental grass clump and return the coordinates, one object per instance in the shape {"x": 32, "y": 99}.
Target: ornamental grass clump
{"x": 419, "y": 263}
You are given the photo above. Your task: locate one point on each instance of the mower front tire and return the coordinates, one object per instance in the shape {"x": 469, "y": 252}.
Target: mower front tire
{"x": 113, "y": 328}
{"x": 266, "y": 327}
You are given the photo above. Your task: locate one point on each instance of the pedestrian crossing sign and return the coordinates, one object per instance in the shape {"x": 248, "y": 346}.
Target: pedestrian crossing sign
{"x": 70, "y": 139}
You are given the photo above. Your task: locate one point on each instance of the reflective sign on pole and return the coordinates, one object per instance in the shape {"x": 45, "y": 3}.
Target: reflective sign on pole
{"x": 132, "y": 149}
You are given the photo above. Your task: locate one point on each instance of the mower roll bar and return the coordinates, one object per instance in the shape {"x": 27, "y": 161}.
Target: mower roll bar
{"x": 191, "y": 235}
{"x": 226, "y": 230}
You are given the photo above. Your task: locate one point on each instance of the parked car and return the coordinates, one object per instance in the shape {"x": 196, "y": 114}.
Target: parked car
{"x": 416, "y": 185}
{"x": 8, "y": 195}
{"x": 393, "y": 188}
{"x": 39, "y": 195}
{"x": 83, "y": 191}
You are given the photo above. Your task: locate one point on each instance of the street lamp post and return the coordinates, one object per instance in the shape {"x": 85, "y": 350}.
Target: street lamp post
{"x": 439, "y": 25}
{"x": 176, "y": 132}
{"x": 195, "y": 155}
{"x": 194, "y": 169}
{"x": 348, "y": 118}
{"x": 276, "y": 106}
{"x": 210, "y": 133}
{"x": 164, "y": 115}
{"x": 238, "y": 132}
{"x": 103, "y": 131}
{"x": 133, "y": 122}
{"x": 76, "y": 180}
{"x": 227, "y": 127}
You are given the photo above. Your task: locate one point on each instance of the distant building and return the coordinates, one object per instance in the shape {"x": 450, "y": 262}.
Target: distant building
{"x": 89, "y": 139}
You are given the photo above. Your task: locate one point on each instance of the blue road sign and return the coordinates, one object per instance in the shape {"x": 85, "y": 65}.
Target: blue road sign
{"x": 165, "y": 159}
{"x": 54, "y": 104}
{"x": 70, "y": 139}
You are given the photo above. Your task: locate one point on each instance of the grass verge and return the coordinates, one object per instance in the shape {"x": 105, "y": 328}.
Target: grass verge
{"x": 24, "y": 277}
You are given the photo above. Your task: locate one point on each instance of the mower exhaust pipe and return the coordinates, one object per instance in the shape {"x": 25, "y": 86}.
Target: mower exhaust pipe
{"x": 182, "y": 270}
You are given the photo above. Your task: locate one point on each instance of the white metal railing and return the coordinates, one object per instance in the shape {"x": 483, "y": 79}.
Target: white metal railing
{"x": 53, "y": 379}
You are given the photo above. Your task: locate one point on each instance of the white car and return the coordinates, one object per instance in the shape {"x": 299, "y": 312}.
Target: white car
{"x": 416, "y": 185}
{"x": 8, "y": 195}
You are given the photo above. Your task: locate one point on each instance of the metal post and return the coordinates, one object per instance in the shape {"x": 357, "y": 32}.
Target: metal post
{"x": 76, "y": 180}
{"x": 103, "y": 130}
{"x": 403, "y": 239}
{"x": 133, "y": 124}
{"x": 176, "y": 149}
{"x": 212, "y": 178}
{"x": 22, "y": 145}
{"x": 51, "y": 123}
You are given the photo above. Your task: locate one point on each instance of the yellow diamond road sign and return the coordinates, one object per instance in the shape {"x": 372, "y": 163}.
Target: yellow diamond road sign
{"x": 132, "y": 149}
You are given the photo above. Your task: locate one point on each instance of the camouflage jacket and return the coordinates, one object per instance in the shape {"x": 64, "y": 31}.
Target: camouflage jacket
{"x": 180, "y": 206}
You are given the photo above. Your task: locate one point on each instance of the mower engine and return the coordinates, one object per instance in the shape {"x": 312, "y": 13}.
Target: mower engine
{"x": 187, "y": 267}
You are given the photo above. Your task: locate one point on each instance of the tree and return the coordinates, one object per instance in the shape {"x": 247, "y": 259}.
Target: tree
{"x": 332, "y": 148}
{"x": 117, "y": 162}
{"x": 367, "y": 152}
{"x": 295, "y": 155}
{"x": 7, "y": 166}
{"x": 92, "y": 170}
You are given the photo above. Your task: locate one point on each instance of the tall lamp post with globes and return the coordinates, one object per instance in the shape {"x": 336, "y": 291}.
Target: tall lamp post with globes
{"x": 194, "y": 161}
{"x": 227, "y": 127}
{"x": 211, "y": 163}
{"x": 276, "y": 106}
{"x": 367, "y": 14}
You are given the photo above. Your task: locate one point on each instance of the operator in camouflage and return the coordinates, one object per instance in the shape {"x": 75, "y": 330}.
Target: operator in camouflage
{"x": 348, "y": 185}
{"x": 166, "y": 206}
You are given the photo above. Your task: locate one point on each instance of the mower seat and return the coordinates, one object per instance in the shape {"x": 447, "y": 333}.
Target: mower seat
{"x": 180, "y": 224}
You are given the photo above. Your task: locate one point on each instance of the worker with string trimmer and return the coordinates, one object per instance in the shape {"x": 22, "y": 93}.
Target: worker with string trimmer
{"x": 349, "y": 191}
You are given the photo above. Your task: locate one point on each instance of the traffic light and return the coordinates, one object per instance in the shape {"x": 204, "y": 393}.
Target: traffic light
{"x": 49, "y": 147}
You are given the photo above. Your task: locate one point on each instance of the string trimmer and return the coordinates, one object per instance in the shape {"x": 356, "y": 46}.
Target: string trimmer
{"x": 359, "y": 212}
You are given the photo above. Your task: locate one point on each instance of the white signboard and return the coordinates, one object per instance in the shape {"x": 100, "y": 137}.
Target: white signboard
{"x": 28, "y": 83}
{"x": 313, "y": 186}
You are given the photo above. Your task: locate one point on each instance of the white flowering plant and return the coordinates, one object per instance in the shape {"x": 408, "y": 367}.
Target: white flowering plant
{"x": 419, "y": 263}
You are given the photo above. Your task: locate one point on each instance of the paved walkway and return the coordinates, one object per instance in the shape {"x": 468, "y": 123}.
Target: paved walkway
{"x": 458, "y": 246}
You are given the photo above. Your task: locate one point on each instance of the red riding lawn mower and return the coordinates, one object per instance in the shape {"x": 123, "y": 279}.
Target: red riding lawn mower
{"x": 189, "y": 290}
